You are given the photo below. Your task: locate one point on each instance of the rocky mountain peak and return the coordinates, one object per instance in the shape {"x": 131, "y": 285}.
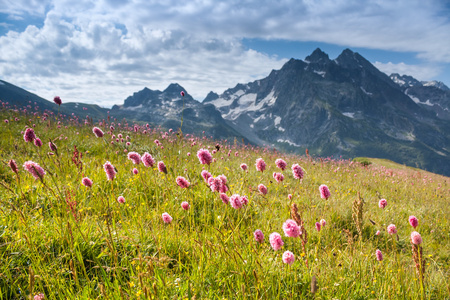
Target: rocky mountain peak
{"x": 318, "y": 56}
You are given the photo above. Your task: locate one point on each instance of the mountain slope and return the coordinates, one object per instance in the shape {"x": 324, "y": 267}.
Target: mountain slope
{"x": 337, "y": 107}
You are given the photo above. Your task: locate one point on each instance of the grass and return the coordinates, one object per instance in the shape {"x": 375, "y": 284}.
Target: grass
{"x": 67, "y": 241}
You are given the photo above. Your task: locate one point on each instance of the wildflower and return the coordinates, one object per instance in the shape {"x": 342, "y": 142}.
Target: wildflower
{"x": 86, "y": 182}
{"x": 135, "y": 171}
{"x": 182, "y": 93}
{"x": 260, "y": 165}
{"x": 391, "y": 229}
{"x": 224, "y": 198}
{"x": 262, "y": 189}
{"x": 291, "y": 228}
{"x": 121, "y": 199}
{"x": 378, "y": 232}
{"x": 323, "y": 223}
{"x": 13, "y": 165}
{"x": 109, "y": 170}
{"x": 281, "y": 164}
{"x": 204, "y": 156}
{"x": 147, "y": 160}
{"x": 244, "y": 200}
{"x": 185, "y": 205}
{"x": 244, "y": 167}
{"x": 288, "y": 257}
{"x": 39, "y": 296}
{"x": 182, "y": 182}
{"x": 297, "y": 171}
{"x": 166, "y": 218}
{"x": 34, "y": 169}
{"x": 134, "y": 157}
{"x": 29, "y": 135}
{"x": 317, "y": 226}
{"x": 57, "y": 100}
{"x": 206, "y": 175}
{"x": 98, "y": 132}
{"x": 278, "y": 177}
{"x": 235, "y": 201}
{"x": 382, "y": 203}
{"x": 324, "y": 192}
{"x": 276, "y": 241}
{"x": 290, "y": 197}
{"x": 259, "y": 236}
{"x": 162, "y": 167}
{"x": 416, "y": 239}
{"x": 379, "y": 255}
{"x": 413, "y": 221}
{"x": 38, "y": 142}
{"x": 52, "y": 146}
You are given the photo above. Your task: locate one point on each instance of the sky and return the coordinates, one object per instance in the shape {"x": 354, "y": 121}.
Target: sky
{"x": 102, "y": 51}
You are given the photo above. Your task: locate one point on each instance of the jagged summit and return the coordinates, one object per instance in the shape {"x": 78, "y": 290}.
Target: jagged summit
{"x": 318, "y": 56}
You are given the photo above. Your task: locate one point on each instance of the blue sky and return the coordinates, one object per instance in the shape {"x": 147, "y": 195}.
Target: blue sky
{"x": 101, "y": 51}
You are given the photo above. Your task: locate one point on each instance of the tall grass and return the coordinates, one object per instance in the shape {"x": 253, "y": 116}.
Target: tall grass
{"x": 67, "y": 241}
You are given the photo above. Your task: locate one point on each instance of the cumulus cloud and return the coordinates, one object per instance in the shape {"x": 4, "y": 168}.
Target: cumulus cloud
{"x": 109, "y": 49}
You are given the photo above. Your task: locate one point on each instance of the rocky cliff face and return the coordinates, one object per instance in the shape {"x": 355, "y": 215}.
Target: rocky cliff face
{"x": 344, "y": 106}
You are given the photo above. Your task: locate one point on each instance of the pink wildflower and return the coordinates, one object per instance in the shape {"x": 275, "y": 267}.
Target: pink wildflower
{"x": 413, "y": 221}
{"x": 288, "y": 257}
{"x": 382, "y": 203}
{"x": 297, "y": 171}
{"x": 317, "y": 225}
{"x": 391, "y": 229}
{"x": 13, "y": 165}
{"x": 323, "y": 223}
{"x": 379, "y": 255}
{"x": 29, "y": 135}
{"x": 34, "y": 169}
{"x": 57, "y": 100}
{"x": 244, "y": 200}
{"x": 38, "y": 142}
{"x": 166, "y": 218}
{"x": 182, "y": 93}
{"x": 135, "y": 171}
{"x": 98, "y": 132}
{"x": 416, "y": 239}
{"x": 206, "y": 175}
{"x": 52, "y": 146}
{"x": 121, "y": 199}
{"x": 39, "y": 296}
{"x": 291, "y": 229}
{"x": 259, "y": 236}
{"x": 162, "y": 167}
{"x": 276, "y": 241}
{"x": 262, "y": 189}
{"x": 324, "y": 192}
{"x": 109, "y": 170}
{"x": 185, "y": 205}
{"x": 244, "y": 167}
{"x": 134, "y": 157}
{"x": 204, "y": 156}
{"x": 281, "y": 164}
{"x": 290, "y": 197}
{"x": 278, "y": 177}
{"x": 182, "y": 182}
{"x": 224, "y": 198}
{"x": 235, "y": 201}
{"x": 147, "y": 160}
{"x": 86, "y": 182}
{"x": 260, "y": 165}
{"x": 378, "y": 232}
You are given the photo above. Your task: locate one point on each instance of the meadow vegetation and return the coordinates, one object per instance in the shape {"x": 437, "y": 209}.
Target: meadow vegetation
{"x": 62, "y": 239}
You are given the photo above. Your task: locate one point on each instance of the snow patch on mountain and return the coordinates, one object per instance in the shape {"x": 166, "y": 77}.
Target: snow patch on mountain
{"x": 288, "y": 142}
{"x": 349, "y": 114}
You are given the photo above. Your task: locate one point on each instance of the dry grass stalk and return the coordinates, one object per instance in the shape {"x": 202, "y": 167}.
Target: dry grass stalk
{"x": 357, "y": 214}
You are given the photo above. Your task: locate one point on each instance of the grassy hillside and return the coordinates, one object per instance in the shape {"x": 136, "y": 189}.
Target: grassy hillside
{"x": 65, "y": 240}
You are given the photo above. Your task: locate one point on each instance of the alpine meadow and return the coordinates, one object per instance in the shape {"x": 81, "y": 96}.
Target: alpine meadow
{"x": 120, "y": 210}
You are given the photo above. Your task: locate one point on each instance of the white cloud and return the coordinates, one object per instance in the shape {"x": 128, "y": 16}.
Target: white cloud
{"x": 108, "y": 49}
{"x": 420, "y": 72}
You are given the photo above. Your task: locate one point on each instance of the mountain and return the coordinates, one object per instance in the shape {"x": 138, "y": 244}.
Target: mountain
{"x": 344, "y": 106}
{"x": 166, "y": 108}
{"x": 431, "y": 95}
{"x": 20, "y": 98}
